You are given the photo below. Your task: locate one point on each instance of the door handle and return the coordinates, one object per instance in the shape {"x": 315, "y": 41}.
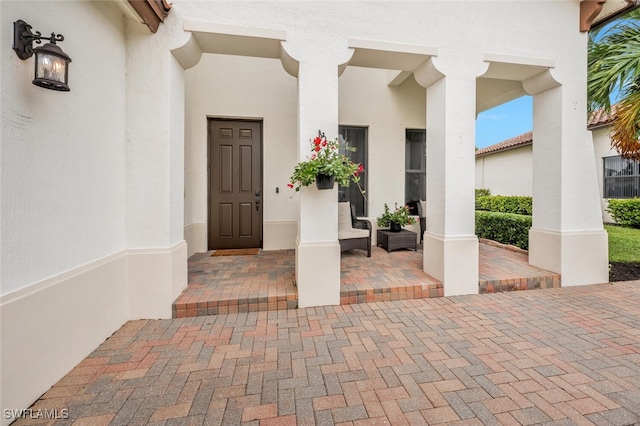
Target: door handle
{"x": 258, "y": 200}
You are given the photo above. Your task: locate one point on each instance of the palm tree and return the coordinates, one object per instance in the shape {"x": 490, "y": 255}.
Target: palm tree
{"x": 614, "y": 68}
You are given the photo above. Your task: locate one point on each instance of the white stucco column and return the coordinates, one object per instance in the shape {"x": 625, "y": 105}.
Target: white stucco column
{"x": 450, "y": 243}
{"x": 317, "y": 249}
{"x": 157, "y": 261}
{"x": 567, "y": 235}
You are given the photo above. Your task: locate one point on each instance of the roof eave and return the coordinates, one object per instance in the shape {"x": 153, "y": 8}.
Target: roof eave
{"x": 633, "y": 4}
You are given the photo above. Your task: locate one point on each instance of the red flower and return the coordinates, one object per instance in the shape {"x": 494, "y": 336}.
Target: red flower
{"x": 317, "y": 148}
{"x": 324, "y": 142}
{"x": 355, "y": 173}
{"x": 360, "y": 168}
{"x": 317, "y": 141}
{"x": 290, "y": 185}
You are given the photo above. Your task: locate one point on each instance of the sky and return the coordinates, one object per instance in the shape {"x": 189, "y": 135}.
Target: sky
{"x": 504, "y": 121}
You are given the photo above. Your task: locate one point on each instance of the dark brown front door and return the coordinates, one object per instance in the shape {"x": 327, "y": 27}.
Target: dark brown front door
{"x": 235, "y": 184}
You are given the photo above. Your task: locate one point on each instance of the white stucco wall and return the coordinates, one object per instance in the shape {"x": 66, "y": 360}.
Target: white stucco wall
{"x": 507, "y": 172}
{"x": 92, "y": 189}
{"x": 257, "y": 88}
{"x": 62, "y": 166}
{"x": 602, "y": 148}
{"x": 367, "y": 100}
{"x": 225, "y": 86}
{"x": 364, "y": 96}
{"x": 468, "y": 54}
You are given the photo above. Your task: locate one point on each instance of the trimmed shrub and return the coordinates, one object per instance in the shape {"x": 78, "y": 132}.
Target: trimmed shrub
{"x": 482, "y": 192}
{"x": 625, "y": 212}
{"x": 505, "y": 204}
{"x": 506, "y": 228}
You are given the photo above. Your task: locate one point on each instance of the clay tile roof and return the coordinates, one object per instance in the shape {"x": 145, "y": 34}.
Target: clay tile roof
{"x": 518, "y": 141}
{"x": 601, "y": 118}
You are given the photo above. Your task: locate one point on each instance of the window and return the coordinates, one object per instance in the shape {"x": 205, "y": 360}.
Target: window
{"x": 415, "y": 166}
{"x": 621, "y": 177}
{"x": 356, "y": 137}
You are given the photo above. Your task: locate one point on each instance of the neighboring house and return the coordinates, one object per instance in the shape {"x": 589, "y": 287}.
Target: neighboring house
{"x": 506, "y": 168}
{"x": 108, "y": 188}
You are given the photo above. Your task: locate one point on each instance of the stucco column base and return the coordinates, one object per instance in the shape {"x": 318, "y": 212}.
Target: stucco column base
{"x": 156, "y": 278}
{"x": 580, "y": 257}
{"x": 318, "y": 273}
{"x": 452, "y": 260}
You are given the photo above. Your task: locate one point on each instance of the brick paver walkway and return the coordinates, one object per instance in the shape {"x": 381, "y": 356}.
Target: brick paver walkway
{"x": 222, "y": 285}
{"x": 555, "y": 356}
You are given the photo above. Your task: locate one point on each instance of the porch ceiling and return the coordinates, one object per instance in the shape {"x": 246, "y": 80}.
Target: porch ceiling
{"x": 491, "y": 92}
{"x": 391, "y": 56}
{"x": 231, "y": 40}
{"x": 503, "y": 80}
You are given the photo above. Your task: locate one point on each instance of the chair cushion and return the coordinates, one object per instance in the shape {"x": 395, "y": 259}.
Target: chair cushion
{"x": 344, "y": 217}
{"x": 346, "y": 234}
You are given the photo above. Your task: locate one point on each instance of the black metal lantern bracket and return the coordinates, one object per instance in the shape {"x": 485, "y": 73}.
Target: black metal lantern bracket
{"x": 51, "y": 63}
{"x": 23, "y": 39}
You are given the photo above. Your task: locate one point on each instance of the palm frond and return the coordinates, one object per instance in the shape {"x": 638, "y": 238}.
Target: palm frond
{"x": 625, "y": 136}
{"x": 613, "y": 63}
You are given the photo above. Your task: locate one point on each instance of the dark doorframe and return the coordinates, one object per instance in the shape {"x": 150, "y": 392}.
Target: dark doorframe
{"x": 235, "y": 191}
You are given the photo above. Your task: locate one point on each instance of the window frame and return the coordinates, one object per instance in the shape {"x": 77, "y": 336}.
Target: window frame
{"x": 616, "y": 183}
{"x": 422, "y": 171}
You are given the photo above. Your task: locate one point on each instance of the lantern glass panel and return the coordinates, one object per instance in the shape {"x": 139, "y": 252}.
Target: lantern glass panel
{"x": 51, "y": 67}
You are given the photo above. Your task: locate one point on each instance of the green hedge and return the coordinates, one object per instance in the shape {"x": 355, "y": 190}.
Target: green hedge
{"x": 482, "y": 192}
{"x": 506, "y": 228}
{"x": 625, "y": 212}
{"x": 505, "y": 204}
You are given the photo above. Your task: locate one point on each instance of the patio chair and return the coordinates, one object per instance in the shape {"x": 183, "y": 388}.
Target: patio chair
{"x": 353, "y": 233}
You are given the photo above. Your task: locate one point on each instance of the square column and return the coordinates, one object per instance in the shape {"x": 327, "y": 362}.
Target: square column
{"x": 317, "y": 247}
{"x": 157, "y": 263}
{"x": 450, "y": 243}
{"x": 567, "y": 235}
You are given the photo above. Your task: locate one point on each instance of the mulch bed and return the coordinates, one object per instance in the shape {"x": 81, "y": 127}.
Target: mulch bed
{"x": 624, "y": 271}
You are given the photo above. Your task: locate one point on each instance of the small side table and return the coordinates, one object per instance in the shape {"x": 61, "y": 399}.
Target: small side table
{"x": 396, "y": 240}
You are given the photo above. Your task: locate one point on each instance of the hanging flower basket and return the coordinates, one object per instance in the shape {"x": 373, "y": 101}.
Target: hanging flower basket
{"x": 327, "y": 165}
{"x": 324, "y": 181}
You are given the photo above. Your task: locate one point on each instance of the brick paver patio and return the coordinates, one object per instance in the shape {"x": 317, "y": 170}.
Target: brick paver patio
{"x": 555, "y": 356}
{"x": 221, "y": 285}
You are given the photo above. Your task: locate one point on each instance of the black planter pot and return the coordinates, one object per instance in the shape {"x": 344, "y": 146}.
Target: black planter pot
{"x": 395, "y": 227}
{"x": 324, "y": 181}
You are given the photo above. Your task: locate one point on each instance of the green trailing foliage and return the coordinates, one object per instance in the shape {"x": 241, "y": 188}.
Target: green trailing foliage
{"x": 505, "y": 204}
{"x": 506, "y": 228}
{"x": 625, "y": 212}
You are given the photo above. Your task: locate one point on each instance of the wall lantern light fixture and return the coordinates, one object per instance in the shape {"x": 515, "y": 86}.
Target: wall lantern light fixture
{"x": 52, "y": 64}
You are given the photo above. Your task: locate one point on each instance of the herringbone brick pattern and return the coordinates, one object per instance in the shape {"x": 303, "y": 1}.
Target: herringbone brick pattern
{"x": 556, "y": 356}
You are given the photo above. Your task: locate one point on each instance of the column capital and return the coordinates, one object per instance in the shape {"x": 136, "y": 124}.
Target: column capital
{"x": 449, "y": 65}
{"x": 315, "y": 49}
